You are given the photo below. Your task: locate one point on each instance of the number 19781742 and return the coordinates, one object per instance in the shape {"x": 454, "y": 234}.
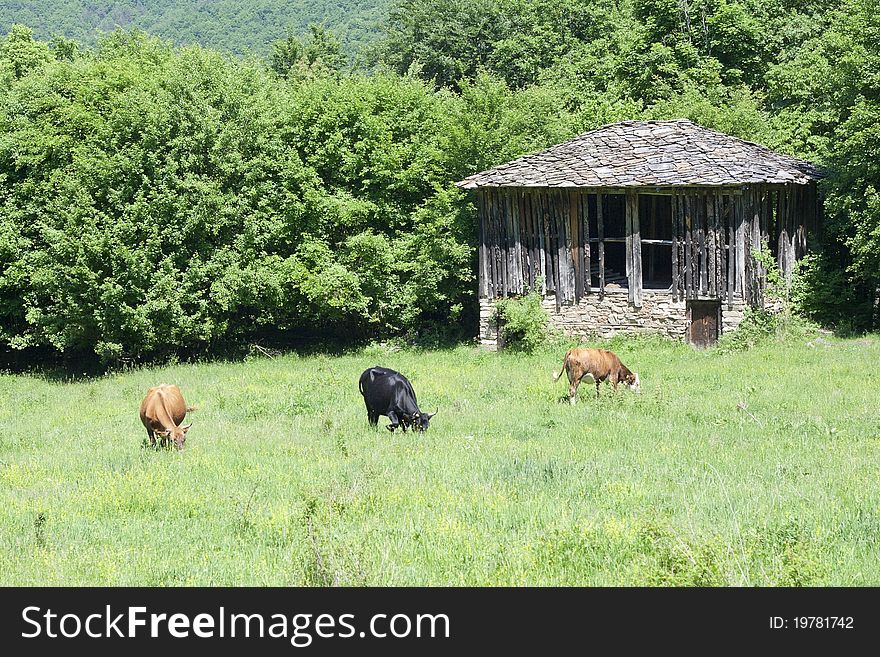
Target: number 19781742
{"x": 812, "y": 622}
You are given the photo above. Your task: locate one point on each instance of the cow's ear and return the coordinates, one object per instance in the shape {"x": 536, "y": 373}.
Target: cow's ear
{"x": 416, "y": 416}
{"x": 164, "y": 434}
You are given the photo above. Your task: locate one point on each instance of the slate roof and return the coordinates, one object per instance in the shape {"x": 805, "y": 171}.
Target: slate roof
{"x": 648, "y": 154}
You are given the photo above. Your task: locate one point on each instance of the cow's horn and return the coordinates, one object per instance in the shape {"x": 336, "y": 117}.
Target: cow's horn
{"x": 186, "y": 427}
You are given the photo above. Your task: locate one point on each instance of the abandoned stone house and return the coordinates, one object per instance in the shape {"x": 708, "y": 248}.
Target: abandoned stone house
{"x": 642, "y": 226}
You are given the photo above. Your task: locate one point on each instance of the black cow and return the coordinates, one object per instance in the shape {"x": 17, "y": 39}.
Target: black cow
{"x": 390, "y": 393}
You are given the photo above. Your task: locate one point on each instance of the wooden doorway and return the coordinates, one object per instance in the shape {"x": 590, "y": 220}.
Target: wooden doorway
{"x": 705, "y": 320}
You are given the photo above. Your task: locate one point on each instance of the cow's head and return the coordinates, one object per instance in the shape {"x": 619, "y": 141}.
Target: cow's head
{"x": 632, "y": 382}
{"x": 177, "y": 434}
{"x": 420, "y": 420}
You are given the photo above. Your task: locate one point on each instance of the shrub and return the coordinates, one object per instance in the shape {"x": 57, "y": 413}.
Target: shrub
{"x": 524, "y": 325}
{"x": 760, "y": 324}
{"x": 824, "y": 293}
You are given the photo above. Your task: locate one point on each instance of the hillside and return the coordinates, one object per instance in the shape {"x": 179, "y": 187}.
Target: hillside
{"x": 231, "y": 25}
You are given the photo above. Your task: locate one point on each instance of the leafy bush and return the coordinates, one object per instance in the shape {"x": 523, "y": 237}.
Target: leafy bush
{"x": 524, "y": 325}
{"x": 782, "y": 319}
{"x": 154, "y": 200}
{"x": 760, "y": 325}
{"x": 822, "y": 292}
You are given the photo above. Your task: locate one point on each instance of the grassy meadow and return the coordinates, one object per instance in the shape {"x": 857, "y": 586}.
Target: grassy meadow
{"x": 758, "y": 467}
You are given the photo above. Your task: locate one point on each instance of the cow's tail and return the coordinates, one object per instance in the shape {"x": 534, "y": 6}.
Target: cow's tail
{"x": 564, "y": 366}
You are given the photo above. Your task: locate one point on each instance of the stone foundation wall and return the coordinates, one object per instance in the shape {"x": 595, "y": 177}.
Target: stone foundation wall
{"x": 605, "y": 317}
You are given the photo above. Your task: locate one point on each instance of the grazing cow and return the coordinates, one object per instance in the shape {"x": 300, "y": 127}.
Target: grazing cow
{"x": 599, "y": 365}
{"x": 162, "y": 411}
{"x": 387, "y": 392}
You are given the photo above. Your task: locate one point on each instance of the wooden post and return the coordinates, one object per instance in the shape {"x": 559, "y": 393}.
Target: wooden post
{"x": 634, "y": 249}
{"x": 585, "y": 232}
{"x": 547, "y": 241}
{"x": 701, "y": 241}
{"x": 505, "y": 243}
{"x": 558, "y": 247}
{"x": 493, "y": 244}
{"x": 673, "y": 211}
{"x": 575, "y": 232}
{"x": 711, "y": 236}
{"x": 688, "y": 248}
{"x": 744, "y": 205}
{"x": 542, "y": 247}
{"x": 600, "y": 230}
{"x": 481, "y": 269}
{"x": 652, "y": 258}
{"x": 513, "y": 244}
{"x": 732, "y": 218}
{"x": 524, "y": 265}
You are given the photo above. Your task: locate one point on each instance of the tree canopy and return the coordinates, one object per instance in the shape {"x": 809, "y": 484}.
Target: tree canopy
{"x": 157, "y": 198}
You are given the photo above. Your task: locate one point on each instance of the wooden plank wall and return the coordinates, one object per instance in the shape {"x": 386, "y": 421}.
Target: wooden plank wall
{"x": 531, "y": 236}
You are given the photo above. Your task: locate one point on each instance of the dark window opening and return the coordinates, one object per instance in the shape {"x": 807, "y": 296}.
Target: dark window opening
{"x": 656, "y": 267}
{"x": 615, "y": 265}
{"x": 655, "y": 229}
{"x": 613, "y": 240}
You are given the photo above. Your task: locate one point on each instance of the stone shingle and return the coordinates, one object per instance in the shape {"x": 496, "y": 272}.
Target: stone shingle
{"x": 648, "y": 153}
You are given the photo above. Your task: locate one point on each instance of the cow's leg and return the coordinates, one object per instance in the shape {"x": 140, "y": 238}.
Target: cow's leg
{"x": 372, "y": 417}
{"x": 152, "y": 438}
{"x": 597, "y": 388}
{"x": 395, "y": 421}
{"x": 574, "y": 381}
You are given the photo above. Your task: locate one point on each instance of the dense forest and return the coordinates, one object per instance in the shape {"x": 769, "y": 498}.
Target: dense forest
{"x": 157, "y": 198}
{"x": 227, "y": 25}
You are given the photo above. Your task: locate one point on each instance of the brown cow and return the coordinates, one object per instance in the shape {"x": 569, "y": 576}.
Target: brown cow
{"x": 598, "y": 364}
{"x": 162, "y": 411}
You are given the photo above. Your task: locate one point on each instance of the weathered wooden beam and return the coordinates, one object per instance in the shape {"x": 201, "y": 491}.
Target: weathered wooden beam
{"x": 600, "y": 230}
{"x": 523, "y": 239}
{"x": 555, "y": 237}
{"x": 701, "y": 240}
{"x": 546, "y": 242}
{"x": 743, "y": 207}
{"x": 563, "y": 206}
{"x": 538, "y": 218}
{"x": 627, "y": 253}
{"x": 509, "y": 288}
{"x": 513, "y": 253}
{"x": 720, "y": 289}
{"x": 536, "y": 266}
{"x": 637, "y": 252}
{"x": 575, "y": 233}
{"x": 652, "y": 259}
{"x": 527, "y": 236}
{"x": 634, "y": 249}
{"x": 688, "y": 248}
{"x": 585, "y": 233}
{"x": 490, "y": 245}
{"x": 731, "y": 251}
{"x": 711, "y": 252}
{"x": 502, "y": 243}
{"x": 673, "y": 211}
{"x": 482, "y": 279}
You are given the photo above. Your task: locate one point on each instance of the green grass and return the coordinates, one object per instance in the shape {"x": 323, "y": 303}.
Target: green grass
{"x": 283, "y": 483}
